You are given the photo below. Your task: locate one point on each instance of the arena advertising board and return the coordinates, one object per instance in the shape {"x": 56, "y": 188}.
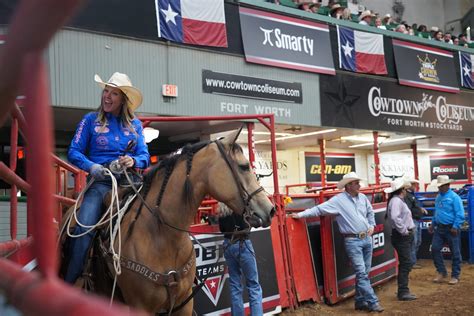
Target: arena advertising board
{"x": 383, "y": 258}
{"x": 251, "y": 87}
{"x": 286, "y": 42}
{"x": 425, "y": 67}
{"x": 452, "y": 165}
{"x": 214, "y": 296}
{"x": 337, "y": 165}
{"x": 376, "y": 104}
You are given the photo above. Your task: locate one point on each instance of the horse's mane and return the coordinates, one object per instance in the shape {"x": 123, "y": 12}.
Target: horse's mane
{"x": 167, "y": 164}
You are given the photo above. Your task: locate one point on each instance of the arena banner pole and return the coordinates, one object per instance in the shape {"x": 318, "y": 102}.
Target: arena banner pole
{"x": 322, "y": 157}
{"x": 414, "y": 149}
{"x": 469, "y": 160}
{"x": 376, "y": 158}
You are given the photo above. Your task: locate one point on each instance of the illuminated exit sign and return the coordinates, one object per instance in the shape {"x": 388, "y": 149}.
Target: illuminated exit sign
{"x": 169, "y": 90}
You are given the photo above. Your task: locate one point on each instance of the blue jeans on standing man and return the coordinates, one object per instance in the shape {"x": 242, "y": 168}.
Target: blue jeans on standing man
{"x": 89, "y": 214}
{"x": 416, "y": 240}
{"x": 442, "y": 234}
{"x": 359, "y": 252}
{"x": 240, "y": 259}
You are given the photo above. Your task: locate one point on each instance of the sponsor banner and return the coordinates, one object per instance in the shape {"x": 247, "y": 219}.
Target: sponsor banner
{"x": 251, "y": 87}
{"x": 452, "y": 165}
{"x": 214, "y": 296}
{"x": 425, "y": 67}
{"x": 337, "y": 165}
{"x": 375, "y": 104}
{"x": 392, "y": 166}
{"x": 286, "y": 42}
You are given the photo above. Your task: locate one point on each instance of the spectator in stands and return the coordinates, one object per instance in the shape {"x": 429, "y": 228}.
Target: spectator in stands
{"x": 379, "y": 24}
{"x": 240, "y": 258}
{"x": 365, "y": 17}
{"x": 355, "y": 218}
{"x": 346, "y": 14}
{"x": 463, "y": 39}
{"x": 455, "y": 40}
{"x": 314, "y": 7}
{"x": 387, "y": 19}
{"x": 422, "y": 28}
{"x": 448, "y": 38}
{"x": 438, "y": 36}
{"x": 402, "y": 234}
{"x": 336, "y": 11}
{"x": 401, "y": 29}
{"x": 304, "y": 5}
{"x": 446, "y": 228}
{"x": 112, "y": 133}
{"x": 417, "y": 212}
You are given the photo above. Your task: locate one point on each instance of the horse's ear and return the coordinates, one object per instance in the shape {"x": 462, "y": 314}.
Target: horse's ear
{"x": 230, "y": 139}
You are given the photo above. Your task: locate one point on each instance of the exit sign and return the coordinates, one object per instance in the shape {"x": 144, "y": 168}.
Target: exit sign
{"x": 169, "y": 90}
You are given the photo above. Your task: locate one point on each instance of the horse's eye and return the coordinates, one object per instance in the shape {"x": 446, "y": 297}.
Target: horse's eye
{"x": 245, "y": 167}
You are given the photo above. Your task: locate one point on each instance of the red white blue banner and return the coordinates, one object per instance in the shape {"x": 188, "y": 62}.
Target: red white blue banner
{"x": 192, "y": 22}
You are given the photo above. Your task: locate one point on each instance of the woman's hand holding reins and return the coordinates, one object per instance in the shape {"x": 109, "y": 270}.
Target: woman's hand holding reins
{"x": 127, "y": 161}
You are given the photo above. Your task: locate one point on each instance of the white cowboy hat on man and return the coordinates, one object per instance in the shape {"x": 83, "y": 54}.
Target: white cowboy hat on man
{"x": 123, "y": 82}
{"x": 411, "y": 180}
{"x": 442, "y": 180}
{"x": 365, "y": 14}
{"x": 397, "y": 184}
{"x": 351, "y": 176}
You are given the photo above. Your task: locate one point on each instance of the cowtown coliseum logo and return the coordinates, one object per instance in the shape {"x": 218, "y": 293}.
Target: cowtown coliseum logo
{"x": 276, "y": 38}
{"x": 210, "y": 265}
{"x": 449, "y": 116}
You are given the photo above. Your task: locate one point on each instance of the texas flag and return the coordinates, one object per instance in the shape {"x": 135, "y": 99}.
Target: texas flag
{"x": 361, "y": 51}
{"x": 466, "y": 61}
{"x": 198, "y": 22}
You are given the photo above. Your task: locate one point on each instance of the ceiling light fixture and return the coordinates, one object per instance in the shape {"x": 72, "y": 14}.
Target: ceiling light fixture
{"x": 454, "y": 145}
{"x": 298, "y": 135}
{"x": 389, "y": 141}
{"x": 268, "y": 133}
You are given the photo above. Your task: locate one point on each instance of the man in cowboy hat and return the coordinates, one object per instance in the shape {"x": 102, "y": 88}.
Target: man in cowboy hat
{"x": 366, "y": 17}
{"x": 417, "y": 212}
{"x": 355, "y": 218}
{"x": 446, "y": 225}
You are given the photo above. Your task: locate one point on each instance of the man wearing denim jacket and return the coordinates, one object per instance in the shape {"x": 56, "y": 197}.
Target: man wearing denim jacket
{"x": 355, "y": 218}
{"x": 446, "y": 228}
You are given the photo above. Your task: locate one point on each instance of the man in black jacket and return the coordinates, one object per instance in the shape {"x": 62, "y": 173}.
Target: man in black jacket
{"x": 417, "y": 212}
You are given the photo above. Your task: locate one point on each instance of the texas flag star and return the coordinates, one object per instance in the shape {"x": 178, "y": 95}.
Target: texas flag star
{"x": 467, "y": 71}
{"x": 347, "y": 49}
{"x": 170, "y": 14}
{"x": 213, "y": 284}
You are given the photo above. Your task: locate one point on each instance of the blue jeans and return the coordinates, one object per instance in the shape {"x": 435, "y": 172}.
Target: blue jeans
{"x": 442, "y": 235}
{"x": 359, "y": 252}
{"x": 416, "y": 240}
{"x": 89, "y": 214}
{"x": 240, "y": 259}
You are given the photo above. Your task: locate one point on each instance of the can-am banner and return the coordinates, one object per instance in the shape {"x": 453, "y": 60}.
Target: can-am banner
{"x": 383, "y": 105}
{"x": 251, "y": 87}
{"x": 286, "y": 42}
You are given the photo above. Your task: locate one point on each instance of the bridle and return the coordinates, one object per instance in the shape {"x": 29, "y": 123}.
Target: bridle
{"x": 245, "y": 196}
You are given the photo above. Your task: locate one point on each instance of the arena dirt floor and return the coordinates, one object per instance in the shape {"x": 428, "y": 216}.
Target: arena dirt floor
{"x": 433, "y": 298}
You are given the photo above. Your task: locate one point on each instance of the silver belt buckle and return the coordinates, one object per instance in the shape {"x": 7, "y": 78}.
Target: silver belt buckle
{"x": 362, "y": 235}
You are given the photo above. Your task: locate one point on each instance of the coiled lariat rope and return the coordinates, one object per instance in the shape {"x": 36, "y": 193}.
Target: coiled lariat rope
{"x": 114, "y": 232}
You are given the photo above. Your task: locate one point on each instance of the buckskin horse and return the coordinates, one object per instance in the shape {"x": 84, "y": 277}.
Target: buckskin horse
{"x": 157, "y": 256}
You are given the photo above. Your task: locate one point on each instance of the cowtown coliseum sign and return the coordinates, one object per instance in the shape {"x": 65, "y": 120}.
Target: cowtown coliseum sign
{"x": 348, "y": 101}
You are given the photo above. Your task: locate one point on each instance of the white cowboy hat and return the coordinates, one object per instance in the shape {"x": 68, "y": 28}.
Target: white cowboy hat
{"x": 351, "y": 176}
{"x": 442, "y": 180}
{"x": 123, "y": 82}
{"x": 365, "y": 14}
{"x": 397, "y": 184}
{"x": 412, "y": 180}
{"x": 335, "y": 7}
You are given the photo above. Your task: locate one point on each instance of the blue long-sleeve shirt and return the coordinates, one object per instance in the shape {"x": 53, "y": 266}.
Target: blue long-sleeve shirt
{"x": 354, "y": 214}
{"x": 94, "y": 144}
{"x": 448, "y": 209}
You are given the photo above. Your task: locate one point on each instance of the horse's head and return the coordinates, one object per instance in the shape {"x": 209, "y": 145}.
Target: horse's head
{"x": 236, "y": 185}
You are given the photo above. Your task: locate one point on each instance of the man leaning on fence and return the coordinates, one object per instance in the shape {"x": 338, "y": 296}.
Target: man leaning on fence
{"x": 355, "y": 218}
{"x": 446, "y": 228}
